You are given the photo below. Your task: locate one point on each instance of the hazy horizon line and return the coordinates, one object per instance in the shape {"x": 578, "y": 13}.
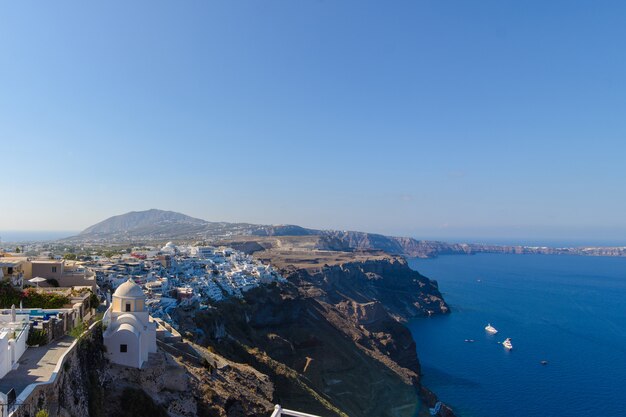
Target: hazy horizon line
{"x": 25, "y": 236}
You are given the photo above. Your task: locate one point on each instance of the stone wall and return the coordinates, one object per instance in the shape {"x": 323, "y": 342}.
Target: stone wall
{"x": 73, "y": 386}
{"x": 56, "y": 328}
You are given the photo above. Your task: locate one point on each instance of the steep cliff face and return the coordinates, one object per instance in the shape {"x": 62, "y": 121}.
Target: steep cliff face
{"x": 176, "y": 387}
{"x": 404, "y": 293}
{"x": 330, "y": 342}
{"x": 346, "y": 240}
{"x": 331, "y": 339}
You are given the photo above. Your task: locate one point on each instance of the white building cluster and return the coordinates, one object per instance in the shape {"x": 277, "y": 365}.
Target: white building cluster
{"x": 185, "y": 275}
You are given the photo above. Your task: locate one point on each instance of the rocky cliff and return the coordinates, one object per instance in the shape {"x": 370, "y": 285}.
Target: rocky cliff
{"x": 168, "y": 385}
{"x": 388, "y": 283}
{"x": 331, "y": 339}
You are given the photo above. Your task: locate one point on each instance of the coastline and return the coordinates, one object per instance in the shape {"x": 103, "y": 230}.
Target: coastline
{"x": 555, "y": 308}
{"x": 394, "y": 272}
{"x": 338, "y": 326}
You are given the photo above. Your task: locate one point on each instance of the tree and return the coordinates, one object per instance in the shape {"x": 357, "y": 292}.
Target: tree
{"x": 94, "y": 301}
{"x": 17, "y": 249}
{"x": 70, "y": 256}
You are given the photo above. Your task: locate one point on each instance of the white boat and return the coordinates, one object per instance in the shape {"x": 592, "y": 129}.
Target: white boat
{"x": 490, "y": 329}
{"x": 507, "y": 343}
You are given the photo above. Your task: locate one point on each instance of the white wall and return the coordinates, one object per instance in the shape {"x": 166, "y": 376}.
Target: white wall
{"x": 20, "y": 343}
{"x": 5, "y": 354}
{"x": 130, "y": 339}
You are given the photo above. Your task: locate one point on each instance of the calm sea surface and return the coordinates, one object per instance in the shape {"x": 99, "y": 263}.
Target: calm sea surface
{"x": 568, "y": 310}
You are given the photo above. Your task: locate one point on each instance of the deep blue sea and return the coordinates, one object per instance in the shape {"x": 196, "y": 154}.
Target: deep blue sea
{"x": 568, "y": 310}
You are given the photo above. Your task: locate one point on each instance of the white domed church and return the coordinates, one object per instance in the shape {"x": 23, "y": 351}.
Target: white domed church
{"x": 131, "y": 333}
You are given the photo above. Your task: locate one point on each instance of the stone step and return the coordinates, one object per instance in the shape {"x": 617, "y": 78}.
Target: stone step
{"x": 153, "y": 359}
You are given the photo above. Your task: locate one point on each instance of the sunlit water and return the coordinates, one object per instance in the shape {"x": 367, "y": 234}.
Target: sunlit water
{"x": 568, "y": 310}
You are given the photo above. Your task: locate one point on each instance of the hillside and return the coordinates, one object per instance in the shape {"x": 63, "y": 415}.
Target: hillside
{"x": 158, "y": 226}
{"x": 138, "y": 222}
{"x": 331, "y": 339}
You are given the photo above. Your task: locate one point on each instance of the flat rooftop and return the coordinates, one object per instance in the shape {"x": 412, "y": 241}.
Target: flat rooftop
{"x": 36, "y": 365}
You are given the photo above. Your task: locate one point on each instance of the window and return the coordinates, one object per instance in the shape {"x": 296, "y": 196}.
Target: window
{"x": 127, "y": 306}
{"x": 123, "y": 348}
{"x": 54, "y": 269}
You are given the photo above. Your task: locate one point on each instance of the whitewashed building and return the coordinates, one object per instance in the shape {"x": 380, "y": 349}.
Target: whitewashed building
{"x": 130, "y": 334}
{"x": 13, "y": 335}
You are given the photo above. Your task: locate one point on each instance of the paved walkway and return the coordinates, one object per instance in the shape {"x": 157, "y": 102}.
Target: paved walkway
{"x": 36, "y": 365}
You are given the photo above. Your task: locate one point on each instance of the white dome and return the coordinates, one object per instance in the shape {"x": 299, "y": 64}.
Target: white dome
{"x": 169, "y": 247}
{"x": 129, "y": 290}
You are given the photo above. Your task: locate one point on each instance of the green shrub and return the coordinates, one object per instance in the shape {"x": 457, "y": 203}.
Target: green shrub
{"x": 94, "y": 301}
{"x": 30, "y": 297}
{"x": 8, "y": 295}
{"x": 77, "y": 331}
{"x": 37, "y": 337}
{"x": 42, "y": 413}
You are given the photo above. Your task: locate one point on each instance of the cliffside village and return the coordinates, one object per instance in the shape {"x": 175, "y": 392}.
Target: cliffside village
{"x": 183, "y": 275}
{"x": 133, "y": 294}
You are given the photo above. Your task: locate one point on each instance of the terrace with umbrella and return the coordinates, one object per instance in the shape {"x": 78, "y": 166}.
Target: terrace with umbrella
{"x": 37, "y": 280}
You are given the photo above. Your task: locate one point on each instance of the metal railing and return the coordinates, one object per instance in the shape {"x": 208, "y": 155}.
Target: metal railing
{"x": 8, "y": 407}
{"x": 279, "y": 411}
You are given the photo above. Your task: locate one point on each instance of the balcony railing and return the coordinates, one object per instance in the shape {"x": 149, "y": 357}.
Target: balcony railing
{"x": 279, "y": 411}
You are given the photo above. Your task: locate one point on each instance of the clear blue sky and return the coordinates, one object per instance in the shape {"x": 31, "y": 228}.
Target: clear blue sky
{"x": 425, "y": 118}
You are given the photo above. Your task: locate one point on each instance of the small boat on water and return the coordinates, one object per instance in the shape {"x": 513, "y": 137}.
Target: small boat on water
{"x": 544, "y": 362}
{"x": 507, "y": 343}
{"x": 490, "y": 329}
{"x": 469, "y": 340}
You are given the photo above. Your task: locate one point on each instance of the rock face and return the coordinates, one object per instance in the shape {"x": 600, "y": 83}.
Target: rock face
{"x": 347, "y": 240}
{"x": 170, "y": 386}
{"x": 329, "y": 342}
{"x": 89, "y": 385}
{"x": 332, "y": 339}
{"x": 390, "y": 282}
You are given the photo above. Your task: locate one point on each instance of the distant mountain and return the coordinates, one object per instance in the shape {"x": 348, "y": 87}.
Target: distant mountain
{"x": 159, "y": 224}
{"x": 143, "y": 221}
